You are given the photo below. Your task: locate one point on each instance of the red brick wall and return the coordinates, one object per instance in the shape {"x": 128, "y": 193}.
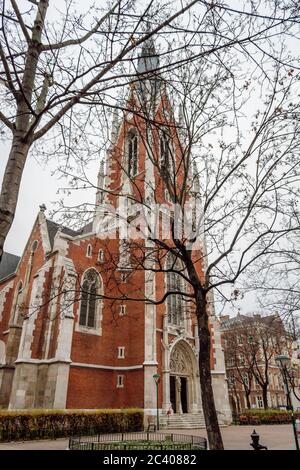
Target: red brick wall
{"x": 96, "y": 388}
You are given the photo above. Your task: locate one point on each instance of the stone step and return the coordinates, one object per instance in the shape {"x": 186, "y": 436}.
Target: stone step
{"x": 184, "y": 421}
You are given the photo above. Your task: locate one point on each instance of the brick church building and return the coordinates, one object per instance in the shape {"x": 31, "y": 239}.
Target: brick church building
{"x": 79, "y": 326}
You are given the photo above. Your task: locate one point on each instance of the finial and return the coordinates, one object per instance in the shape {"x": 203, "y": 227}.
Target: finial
{"x": 43, "y": 207}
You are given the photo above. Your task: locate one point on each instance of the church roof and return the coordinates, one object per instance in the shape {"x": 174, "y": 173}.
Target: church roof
{"x": 149, "y": 80}
{"x": 8, "y": 264}
{"x": 53, "y": 228}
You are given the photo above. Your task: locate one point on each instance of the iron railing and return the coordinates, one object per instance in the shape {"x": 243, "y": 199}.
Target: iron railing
{"x": 137, "y": 440}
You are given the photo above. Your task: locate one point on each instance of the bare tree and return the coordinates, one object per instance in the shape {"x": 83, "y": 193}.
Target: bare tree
{"x": 234, "y": 180}
{"x": 49, "y": 67}
{"x": 240, "y": 184}
{"x": 239, "y": 370}
{"x": 252, "y": 345}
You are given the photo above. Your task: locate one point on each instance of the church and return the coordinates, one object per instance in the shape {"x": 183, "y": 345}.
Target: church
{"x": 80, "y": 325}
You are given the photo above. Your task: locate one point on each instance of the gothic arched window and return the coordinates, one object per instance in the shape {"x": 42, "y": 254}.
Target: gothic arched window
{"x": 132, "y": 152}
{"x": 89, "y": 251}
{"x": 165, "y": 149}
{"x": 89, "y": 306}
{"x": 34, "y": 246}
{"x": 101, "y": 256}
{"x": 175, "y": 282}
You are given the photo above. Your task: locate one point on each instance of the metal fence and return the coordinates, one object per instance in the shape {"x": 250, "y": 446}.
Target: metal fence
{"x": 138, "y": 440}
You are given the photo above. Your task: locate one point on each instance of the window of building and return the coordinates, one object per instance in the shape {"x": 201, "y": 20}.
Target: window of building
{"x": 175, "y": 283}
{"x": 89, "y": 251}
{"x": 89, "y": 299}
{"x": 167, "y": 196}
{"x": 121, "y": 352}
{"x": 34, "y": 246}
{"x": 122, "y": 310}
{"x": 259, "y": 401}
{"x": 242, "y": 359}
{"x": 101, "y": 256}
{"x": 165, "y": 150}
{"x": 231, "y": 361}
{"x": 120, "y": 381}
{"x": 231, "y": 381}
{"x": 132, "y": 152}
{"x": 246, "y": 380}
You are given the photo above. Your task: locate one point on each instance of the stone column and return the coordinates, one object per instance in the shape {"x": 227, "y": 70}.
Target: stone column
{"x": 194, "y": 394}
{"x": 166, "y": 368}
{"x": 178, "y": 396}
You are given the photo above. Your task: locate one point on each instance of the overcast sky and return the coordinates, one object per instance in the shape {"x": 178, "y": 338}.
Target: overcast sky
{"x": 40, "y": 186}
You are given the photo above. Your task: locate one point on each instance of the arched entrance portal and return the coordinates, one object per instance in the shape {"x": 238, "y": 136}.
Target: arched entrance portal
{"x": 183, "y": 379}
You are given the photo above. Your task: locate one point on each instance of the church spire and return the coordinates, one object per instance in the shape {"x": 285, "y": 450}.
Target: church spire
{"x": 147, "y": 73}
{"x": 148, "y": 60}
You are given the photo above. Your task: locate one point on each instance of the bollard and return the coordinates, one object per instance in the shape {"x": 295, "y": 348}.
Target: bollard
{"x": 255, "y": 442}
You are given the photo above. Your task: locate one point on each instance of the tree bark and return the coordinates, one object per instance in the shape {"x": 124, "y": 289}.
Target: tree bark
{"x": 11, "y": 185}
{"x": 22, "y": 136}
{"x": 265, "y": 396}
{"x": 248, "y": 400}
{"x": 208, "y": 403}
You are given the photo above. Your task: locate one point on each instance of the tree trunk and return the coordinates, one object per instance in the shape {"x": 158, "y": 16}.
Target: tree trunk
{"x": 11, "y": 185}
{"x": 265, "y": 396}
{"x": 248, "y": 400}
{"x": 208, "y": 403}
{"x": 22, "y": 135}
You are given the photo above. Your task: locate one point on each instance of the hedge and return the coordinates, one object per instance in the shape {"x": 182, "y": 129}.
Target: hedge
{"x": 45, "y": 424}
{"x": 269, "y": 416}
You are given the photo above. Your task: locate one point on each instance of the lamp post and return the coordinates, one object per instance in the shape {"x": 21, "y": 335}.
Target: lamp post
{"x": 156, "y": 380}
{"x": 283, "y": 361}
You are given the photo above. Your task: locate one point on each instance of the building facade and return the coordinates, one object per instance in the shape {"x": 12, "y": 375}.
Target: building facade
{"x": 251, "y": 345}
{"x": 79, "y": 326}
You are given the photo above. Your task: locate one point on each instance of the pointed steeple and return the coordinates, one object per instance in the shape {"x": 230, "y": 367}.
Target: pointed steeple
{"x": 148, "y": 60}
{"x": 148, "y": 63}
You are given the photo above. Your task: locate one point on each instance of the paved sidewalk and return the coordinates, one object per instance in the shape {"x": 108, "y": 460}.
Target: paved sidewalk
{"x": 275, "y": 437}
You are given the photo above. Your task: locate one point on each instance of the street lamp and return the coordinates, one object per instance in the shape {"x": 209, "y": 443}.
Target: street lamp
{"x": 156, "y": 380}
{"x": 282, "y": 362}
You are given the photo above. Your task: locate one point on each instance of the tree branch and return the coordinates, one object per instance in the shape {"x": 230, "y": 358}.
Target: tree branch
{"x": 74, "y": 42}
{"x": 21, "y": 22}
{"x": 6, "y": 121}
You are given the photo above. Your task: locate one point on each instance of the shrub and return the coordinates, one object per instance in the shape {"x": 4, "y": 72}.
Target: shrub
{"x": 269, "y": 416}
{"x": 43, "y": 424}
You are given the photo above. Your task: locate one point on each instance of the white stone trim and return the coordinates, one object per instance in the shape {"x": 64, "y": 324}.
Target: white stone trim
{"x": 29, "y": 321}
{"x": 100, "y": 366}
{"x": 3, "y": 293}
{"x": 77, "y": 237}
{"x": 121, "y": 352}
{"x": 150, "y": 363}
{"x": 120, "y": 381}
{"x": 44, "y": 232}
{"x": 41, "y": 361}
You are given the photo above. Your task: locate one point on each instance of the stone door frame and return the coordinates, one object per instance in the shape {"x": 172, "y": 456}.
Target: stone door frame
{"x": 177, "y": 357}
